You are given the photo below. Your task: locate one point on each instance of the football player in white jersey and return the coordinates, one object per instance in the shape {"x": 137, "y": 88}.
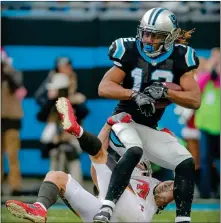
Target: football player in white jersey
{"x": 143, "y": 197}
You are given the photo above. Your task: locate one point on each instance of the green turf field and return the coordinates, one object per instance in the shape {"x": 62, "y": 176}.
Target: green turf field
{"x": 62, "y": 215}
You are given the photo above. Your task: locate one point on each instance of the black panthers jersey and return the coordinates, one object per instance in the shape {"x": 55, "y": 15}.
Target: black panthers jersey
{"x": 142, "y": 70}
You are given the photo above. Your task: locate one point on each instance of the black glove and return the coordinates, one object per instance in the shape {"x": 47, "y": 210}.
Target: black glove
{"x": 157, "y": 91}
{"x": 144, "y": 102}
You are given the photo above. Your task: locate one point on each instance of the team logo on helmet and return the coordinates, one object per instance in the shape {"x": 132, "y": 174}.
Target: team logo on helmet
{"x": 173, "y": 20}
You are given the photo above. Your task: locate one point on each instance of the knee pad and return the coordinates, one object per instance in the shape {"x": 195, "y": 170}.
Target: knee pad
{"x": 186, "y": 168}
{"x": 127, "y": 135}
{"x": 135, "y": 153}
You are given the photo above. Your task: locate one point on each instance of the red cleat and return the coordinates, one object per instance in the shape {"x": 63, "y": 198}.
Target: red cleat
{"x": 68, "y": 118}
{"x": 33, "y": 212}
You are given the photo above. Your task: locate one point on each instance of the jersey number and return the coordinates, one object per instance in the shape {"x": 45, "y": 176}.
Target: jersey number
{"x": 144, "y": 188}
{"x": 162, "y": 75}
{"x": 137, "y": 74}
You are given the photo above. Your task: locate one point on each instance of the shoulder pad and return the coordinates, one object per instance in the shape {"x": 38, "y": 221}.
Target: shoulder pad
{"x": 188, "y": 57}
{"x": 120, "y": 49}
{"x": 181, "y": 49}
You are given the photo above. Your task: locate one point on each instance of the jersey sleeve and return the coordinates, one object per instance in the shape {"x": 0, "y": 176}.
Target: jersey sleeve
{"x": 119, "y": 54}
{"x": 187, "y": 59}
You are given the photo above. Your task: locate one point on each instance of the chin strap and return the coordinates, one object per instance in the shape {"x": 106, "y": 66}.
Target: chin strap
{"x": 153, "y": 59}
{"x": 149, "y": 50}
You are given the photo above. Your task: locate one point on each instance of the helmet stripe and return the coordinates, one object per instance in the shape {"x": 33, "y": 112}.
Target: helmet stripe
{"x": 151, "y": 15}
{"x": 157, "y": 14}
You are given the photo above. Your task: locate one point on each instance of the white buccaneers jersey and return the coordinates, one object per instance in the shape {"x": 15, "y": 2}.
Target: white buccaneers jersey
{"x": 143, "y": 187}
{"x": 136, "y": 204}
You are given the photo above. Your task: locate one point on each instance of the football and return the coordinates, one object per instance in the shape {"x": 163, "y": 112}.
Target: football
{"x": 162, "y": 103}
{"x": 172, "y": 86}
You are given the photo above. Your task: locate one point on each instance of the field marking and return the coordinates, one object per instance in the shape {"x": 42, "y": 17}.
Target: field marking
{"x": 170, "y": 207}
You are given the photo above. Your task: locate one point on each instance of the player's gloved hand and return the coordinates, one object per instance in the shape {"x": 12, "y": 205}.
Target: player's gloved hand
{"x": 145, "y": 103}
{"x": 148, "y": 110}
{"x": 122, "y": 117}
{"x": 157, "y": 91}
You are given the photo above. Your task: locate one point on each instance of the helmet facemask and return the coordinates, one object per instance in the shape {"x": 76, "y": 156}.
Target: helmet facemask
{"x": 166, "y": 40}
{"x": 173, "y": 35}
{"x": 143, "y": 168}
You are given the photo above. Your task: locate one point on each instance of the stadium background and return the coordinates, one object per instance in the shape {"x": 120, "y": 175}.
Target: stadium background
{"x": 34, "y": 40}
{"x": 34, "y": 34}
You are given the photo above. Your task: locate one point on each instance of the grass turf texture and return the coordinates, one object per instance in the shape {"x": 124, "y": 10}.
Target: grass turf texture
{"x": 62, "y": 215}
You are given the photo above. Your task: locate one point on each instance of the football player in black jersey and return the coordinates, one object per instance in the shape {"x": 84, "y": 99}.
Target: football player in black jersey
{"x": 158, "y": 54}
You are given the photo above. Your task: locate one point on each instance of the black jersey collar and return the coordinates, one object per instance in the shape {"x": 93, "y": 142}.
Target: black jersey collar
{"x": 154, "y": 61}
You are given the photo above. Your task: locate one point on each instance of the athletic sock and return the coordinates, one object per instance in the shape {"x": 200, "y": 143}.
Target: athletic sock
{"x": 41, "y": 205}
{"x": 122, "y": 172}
{"x": 47, "y": 194}
{"x": 108, "y": 206}
{"x": 182, "y": 219}
{"x": 184, "y": 188}
{"x": 90, "y": 143}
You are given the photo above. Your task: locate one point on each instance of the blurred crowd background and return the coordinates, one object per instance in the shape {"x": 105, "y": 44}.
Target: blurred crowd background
{"x": 53, "y": 49}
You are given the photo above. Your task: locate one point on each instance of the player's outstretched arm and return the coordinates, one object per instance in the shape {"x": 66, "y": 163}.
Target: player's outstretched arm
{"x": 110, "y": 87}
{"x": 190, "y": 96}
{"x": 101, "y": 156}
{"x": 104, "y": 134}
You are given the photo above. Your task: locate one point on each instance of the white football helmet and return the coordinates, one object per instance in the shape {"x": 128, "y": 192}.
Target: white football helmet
{"x": 162, "y": 22}
{"x": 143, "y": 168}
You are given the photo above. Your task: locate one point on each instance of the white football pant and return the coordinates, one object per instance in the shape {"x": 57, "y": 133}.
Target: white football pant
{"x": 159, "y": 147}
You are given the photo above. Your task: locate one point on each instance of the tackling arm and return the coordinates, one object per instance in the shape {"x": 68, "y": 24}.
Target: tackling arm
{"x": 190, "y": 96}
{"x": 102, "y": 154}
{"x": 104, "y": 136}
{"x": 163, "y": 193}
